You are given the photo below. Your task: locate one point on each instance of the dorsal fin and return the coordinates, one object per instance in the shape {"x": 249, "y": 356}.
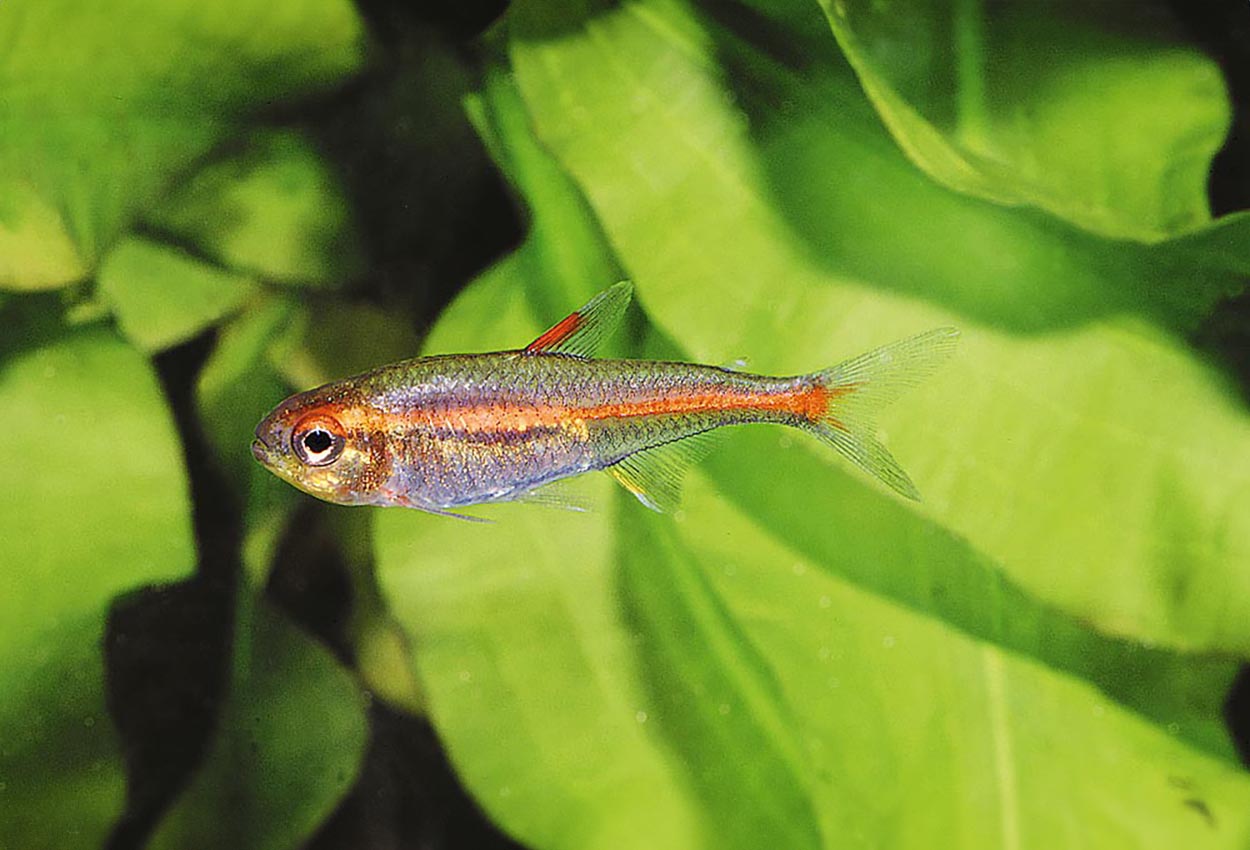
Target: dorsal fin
{"x": 581, "y": 331}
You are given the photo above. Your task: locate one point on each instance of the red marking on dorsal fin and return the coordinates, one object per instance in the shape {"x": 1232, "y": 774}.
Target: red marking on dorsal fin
{"x": 556, "y": 334}
{"x": 580, "y": 332}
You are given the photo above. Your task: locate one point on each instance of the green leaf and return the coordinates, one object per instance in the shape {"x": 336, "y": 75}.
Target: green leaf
{"x": 688, "y": 663}
{"x": 274, "y": 210}
{"x": 162, "y": 297}
{"x": 239, "y": 385}
{"x": 534, "y": 647}
{"x": 714, "y": 698}
{"x": 235, "y": 389}
{"x": 331, "y": 340}
{"x": 260, "y": 357}
{"x": 381, "y": 651}
{"x": 813, "y": 665}
{"x": 248, "y": 374}
{"x": 565, "y": 258}
{"x": 1075, "y": 442}
{"x": 1099, "y": 114}
{"x": 574, "y": 709}
{"x": 288, "y": 746}
{"x": 272, "y": 349}
{"x": 102, "y": 106}
{"x": 294, "y": 729}
{"x": 94, "y": 505}
{"x": 901, "y": 727}
{"x": 888, "y": 551}
{"x": 35, "y": 250}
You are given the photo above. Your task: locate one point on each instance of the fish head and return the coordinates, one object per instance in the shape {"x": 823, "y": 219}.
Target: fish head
{"x": 322, "y": 442}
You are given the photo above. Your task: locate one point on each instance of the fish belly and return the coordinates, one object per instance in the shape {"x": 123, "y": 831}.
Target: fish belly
{"x": 491, "y": 466}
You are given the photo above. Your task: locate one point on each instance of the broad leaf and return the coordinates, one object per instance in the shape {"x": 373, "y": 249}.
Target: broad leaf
{"x": 102, "y": 105}
{"x": 94, "y": 505}
{"x": 261, "y": 357}
{"x": 274, "y": 210}
{"x": 1076, "y": 441}
{"x": 1101, "y": 114}
{"x": 237, "y": 386}
{"x": 287, "y": 749}
{"x": 533, "y": 650}
{"x": 162, "y": 297}
{"x": 897, "y": 727}
{"x": 673, "y": 665}
{"x": 573, "y": 708}
{"x": 806, "y": 665}
{"x": 265, "y": 354}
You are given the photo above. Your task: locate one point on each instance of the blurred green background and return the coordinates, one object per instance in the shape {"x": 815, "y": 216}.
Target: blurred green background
{"x": 206, "y": 207}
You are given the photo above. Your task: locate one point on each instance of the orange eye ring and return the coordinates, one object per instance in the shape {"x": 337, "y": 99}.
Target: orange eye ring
{"x": 318, "y": 440}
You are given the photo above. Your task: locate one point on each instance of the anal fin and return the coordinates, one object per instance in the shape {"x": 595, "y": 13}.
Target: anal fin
{"x": 654, "y": 475}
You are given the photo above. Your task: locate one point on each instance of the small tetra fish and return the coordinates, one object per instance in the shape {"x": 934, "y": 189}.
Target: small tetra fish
{"x": 438, "y": 433}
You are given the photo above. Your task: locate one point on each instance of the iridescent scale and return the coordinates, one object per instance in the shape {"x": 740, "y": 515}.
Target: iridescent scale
{"x": 438, "y": 433}
{"x": 480, "y": 428}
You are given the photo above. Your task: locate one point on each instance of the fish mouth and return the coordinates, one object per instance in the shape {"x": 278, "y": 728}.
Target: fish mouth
{"x": 260, "y": 451}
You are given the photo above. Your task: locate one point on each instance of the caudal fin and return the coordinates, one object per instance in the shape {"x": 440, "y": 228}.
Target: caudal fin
{"x": 861, "y": 387}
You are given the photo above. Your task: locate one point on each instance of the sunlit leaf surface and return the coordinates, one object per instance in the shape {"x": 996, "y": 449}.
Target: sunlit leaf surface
{"x": 643, "y": 663}
{"x": 162, "y": 297}
{"x": 797, "y": 657}
{"x": 1075, "y": 440}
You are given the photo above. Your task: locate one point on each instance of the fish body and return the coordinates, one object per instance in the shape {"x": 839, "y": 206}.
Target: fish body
{"x": 444, "y": 432}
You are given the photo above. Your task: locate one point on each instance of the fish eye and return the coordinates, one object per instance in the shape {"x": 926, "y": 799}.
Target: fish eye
{"x": 318, "y": 441}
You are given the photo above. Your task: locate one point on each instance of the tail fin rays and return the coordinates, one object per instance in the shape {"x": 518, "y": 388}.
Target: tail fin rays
{"x": 861, "y": 387}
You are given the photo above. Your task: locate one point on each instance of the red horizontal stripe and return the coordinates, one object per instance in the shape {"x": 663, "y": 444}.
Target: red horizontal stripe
{"x": 811, "y": 403}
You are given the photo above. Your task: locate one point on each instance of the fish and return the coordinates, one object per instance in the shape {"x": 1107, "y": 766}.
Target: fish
{"x": 445, "y": 432}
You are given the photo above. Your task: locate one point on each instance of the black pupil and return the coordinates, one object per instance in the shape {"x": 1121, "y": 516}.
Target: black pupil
{"x": 317, "y": 441}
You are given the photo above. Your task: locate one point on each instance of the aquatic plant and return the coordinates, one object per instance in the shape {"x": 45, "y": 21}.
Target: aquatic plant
{"x": 207, "y": 208}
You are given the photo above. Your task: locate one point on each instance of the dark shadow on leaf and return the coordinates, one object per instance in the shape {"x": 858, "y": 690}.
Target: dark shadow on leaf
{"x": 429, "y": 206}
{"x": 457, "y": 20}
{"x": 309, "y": 580}
{"x": 531, "y": 21}
{"x": 30, "y": 322}
{"x": 1223, "y": 31}
{"x": 877, "y": 543}
{"x": 863, "y": 211}
{"x": 697, "y": 663}
{"x": 1237, "y": 713}
{"x": 166, "y": 649}
{"x": 407, "y": 795}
